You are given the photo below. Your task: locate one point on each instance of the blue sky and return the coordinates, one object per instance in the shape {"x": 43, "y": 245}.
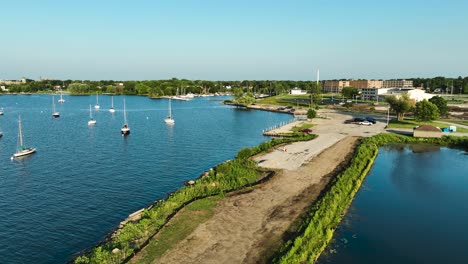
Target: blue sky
{"x": 233, "y": 40}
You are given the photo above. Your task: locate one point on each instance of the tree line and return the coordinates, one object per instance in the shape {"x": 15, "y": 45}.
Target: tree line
{"x": 156, "y": 88}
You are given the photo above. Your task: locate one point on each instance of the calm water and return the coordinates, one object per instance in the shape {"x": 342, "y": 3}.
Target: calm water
{"x": 412, "y": 208}
{"x": 84, "y": 180}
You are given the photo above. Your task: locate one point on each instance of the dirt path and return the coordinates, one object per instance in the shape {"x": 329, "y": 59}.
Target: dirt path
{"x": 249, "y": 226}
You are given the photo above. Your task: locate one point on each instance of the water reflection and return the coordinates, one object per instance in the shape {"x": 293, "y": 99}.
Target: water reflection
{"x": 412, "y": 211}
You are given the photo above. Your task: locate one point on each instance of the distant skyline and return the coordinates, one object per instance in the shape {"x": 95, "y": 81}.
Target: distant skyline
{"x": 233, "y": 40}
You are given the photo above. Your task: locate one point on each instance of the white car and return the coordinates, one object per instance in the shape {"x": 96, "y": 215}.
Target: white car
{"x": 365, "y": 123}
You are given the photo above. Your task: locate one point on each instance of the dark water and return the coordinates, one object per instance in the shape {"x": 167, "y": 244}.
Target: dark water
{"x": 84, "y": 180}
{"x": 412, "y": 208}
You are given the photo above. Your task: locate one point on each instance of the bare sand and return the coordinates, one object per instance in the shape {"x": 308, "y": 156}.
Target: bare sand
{"x": 249, "y": 227}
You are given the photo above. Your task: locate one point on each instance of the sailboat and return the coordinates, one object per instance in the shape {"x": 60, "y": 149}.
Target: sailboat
{"x": 1, "y": 111}
{"x": 169, "y": 119}
{"x": 91, "y": 121}
{"x": 97, "y": 102}
{"x": 55, "y": 114}
{"x": 61, "y": 100}
{"x": 111, "y": 109}
{"x": 21, "y": 150}
{"x": 125, "y": 130}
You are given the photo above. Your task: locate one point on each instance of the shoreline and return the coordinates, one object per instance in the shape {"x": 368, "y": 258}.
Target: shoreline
{"x": 300, "y": 152}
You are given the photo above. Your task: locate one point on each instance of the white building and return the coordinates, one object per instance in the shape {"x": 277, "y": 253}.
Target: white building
{"x": 297, "y": 91}
{"x": 415, "y": 94}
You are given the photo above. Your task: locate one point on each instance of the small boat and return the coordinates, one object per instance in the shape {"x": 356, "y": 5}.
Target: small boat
{"x": 91, "y": 121}
{"x": 61, "y": 100}
{"x": 111, "y": 109}
{"x": 97, "y": 103}
{"x": 125, "y": 130}
{"x": 21, "y": 150}
{"x": 55, "y": 114}
{"x": 169, "y": 119}
{"x": 1, "y": 111}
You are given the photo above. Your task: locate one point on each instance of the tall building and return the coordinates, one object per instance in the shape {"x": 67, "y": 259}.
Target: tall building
{"x": 397, "y": 84}
{"x": 335, "y": 86}
{"x": 360, "y": 84}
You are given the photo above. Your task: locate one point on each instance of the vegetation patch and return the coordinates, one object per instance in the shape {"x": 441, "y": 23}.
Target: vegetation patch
{"x": 181, "y": 226}
{"x": 411, "y": 124}
{"x": 324, "y": 216}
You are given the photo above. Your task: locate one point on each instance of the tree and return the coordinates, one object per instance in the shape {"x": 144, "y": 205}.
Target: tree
{"x": 441, "y": 104}
{"x": 349, "y": 92}
{"x": 315, "y": 93}
{"x": 311, "y": 113}
{"x": 400, "y": 105}
{"x": 426, "y": 111}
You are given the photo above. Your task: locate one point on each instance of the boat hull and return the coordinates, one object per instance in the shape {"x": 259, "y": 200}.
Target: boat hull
{"x": 24, "y": 152}
{"x": 125, "y": 131}
{"x": 169, "y": 121}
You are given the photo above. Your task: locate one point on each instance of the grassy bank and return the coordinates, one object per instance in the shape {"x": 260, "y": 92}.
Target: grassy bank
{"x": 324, "y": 216}
{"x": 411, "y": 124}
{"x": 181, "y": 226}
{"x": 228, "y": 176}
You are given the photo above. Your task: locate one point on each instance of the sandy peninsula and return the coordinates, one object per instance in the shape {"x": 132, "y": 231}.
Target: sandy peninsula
{"x": 249, "y": 227}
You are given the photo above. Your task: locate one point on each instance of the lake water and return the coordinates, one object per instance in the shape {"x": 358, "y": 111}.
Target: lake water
{"x": 84, "y": 180}
{"x": 412, "y": 208}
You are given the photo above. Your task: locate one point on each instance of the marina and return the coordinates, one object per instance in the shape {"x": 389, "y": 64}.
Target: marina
{"x": 84, "y": 180}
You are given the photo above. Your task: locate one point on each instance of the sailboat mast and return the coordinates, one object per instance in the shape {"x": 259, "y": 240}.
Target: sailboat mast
{"x": 170, "y": 110}
{"x": 90, "y": 112}
{"x": 125, "y": 112}
{"x": 20, "y": 133}
{"x": 53, "y": 104}
{"x": 112, "y": 101}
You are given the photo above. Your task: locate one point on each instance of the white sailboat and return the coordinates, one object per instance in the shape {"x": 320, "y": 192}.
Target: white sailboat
{"x": 61, "y": 100}
{"x": 111, "y": 109}
{"x": 21, "y": 150}
{"x": 91, "y": 121}
{"x": 125, "y": 130}
{"x": 55, "y": 114}
{"x": 97, "y": 102}
{"x": 1, "y": 111}
{"x": 169, "y": 119}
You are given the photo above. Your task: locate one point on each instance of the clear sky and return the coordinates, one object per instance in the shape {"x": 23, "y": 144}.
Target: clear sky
{"x": 233, "y": 39}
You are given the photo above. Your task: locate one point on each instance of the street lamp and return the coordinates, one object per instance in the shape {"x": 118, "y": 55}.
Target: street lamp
{"x": 388, "y": 115}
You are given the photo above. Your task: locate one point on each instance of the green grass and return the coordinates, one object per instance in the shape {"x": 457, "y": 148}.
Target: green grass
{"x": 461, "y": 122}
{"x": 180, "y": 227}
{"x": 285, "y": 100}
{"x": 411, "y": 124}
{"x": 304, "y": 125}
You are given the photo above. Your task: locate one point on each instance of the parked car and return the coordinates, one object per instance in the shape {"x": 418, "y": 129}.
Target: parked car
{"x": 371, "y": 119}
{"x": 365, "y": 123}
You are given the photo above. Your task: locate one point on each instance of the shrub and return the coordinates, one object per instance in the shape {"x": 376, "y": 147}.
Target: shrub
{"x": 311, "y": 113}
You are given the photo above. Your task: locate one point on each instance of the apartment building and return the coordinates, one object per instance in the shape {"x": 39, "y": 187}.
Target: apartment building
{"x": 335, "y": 86}
{"x": 397, "y": 84}
{"x": 360, "y": 84}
